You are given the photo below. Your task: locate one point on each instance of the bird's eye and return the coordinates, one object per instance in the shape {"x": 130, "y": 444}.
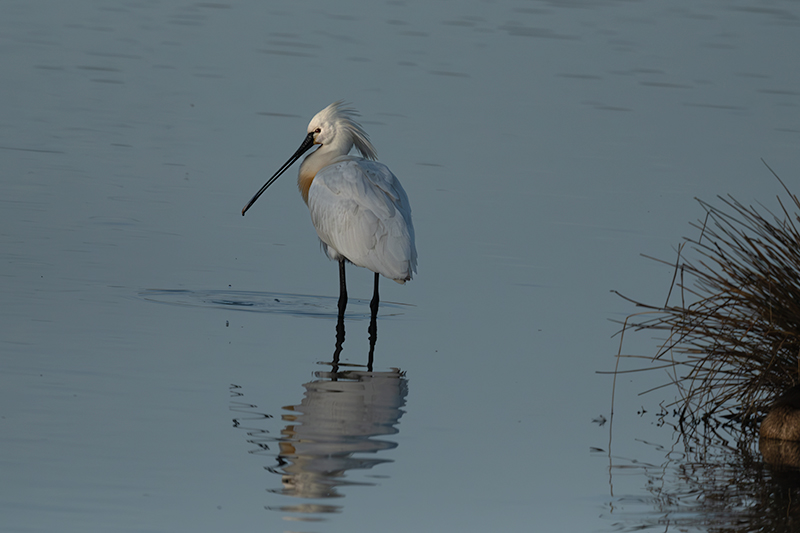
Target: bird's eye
{"x": 317, "y": 130}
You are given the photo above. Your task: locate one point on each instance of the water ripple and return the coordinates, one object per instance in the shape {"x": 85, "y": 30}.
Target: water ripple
{"x": 267, "y": 302}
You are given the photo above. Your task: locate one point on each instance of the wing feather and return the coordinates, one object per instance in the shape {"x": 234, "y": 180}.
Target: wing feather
{"x": 361, "y": 212}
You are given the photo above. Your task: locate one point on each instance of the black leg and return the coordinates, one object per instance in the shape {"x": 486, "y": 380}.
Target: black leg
{"x": 373, "y": 305}
{"x": 373, "y": 323}
{"x": 340, "y": 320}
{"x": 342, "y": 289}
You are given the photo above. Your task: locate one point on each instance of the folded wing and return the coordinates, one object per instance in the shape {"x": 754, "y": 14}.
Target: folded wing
{"x": 361, "y": 212}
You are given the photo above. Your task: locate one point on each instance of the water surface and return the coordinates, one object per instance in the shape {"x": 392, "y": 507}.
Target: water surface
{"x": 544, "y": 146}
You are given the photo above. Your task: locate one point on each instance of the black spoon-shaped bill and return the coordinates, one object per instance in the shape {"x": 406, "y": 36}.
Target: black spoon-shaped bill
{"x": 307, "y": 144}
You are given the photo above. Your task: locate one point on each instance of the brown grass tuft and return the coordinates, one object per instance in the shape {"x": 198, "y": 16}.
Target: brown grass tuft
{"x": 733, "y": 340}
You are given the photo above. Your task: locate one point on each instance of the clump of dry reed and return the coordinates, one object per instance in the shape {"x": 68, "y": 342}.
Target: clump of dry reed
{"x": 733, "y": 340}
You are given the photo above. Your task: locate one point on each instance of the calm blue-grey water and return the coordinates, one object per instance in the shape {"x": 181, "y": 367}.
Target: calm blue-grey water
{"x": 163, "y": 358}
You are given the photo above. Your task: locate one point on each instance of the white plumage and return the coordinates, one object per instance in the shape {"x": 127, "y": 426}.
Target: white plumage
{"x": 358, "y": 207}
{"x": 361, "y": 213}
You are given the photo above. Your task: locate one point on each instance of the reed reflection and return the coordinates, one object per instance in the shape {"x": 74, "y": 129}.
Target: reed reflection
{"x": 340, "y": 425}
{"x": 713, "y": 483}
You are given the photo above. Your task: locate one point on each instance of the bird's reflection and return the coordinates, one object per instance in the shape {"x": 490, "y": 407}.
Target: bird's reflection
{"x": 341, "y": 424}
{"x": 340, "y": 334}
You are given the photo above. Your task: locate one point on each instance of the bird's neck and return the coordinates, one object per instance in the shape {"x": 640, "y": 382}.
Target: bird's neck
{"x": 316, "y": 161}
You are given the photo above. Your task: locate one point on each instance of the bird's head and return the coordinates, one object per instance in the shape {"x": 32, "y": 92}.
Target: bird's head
{"x": 335, "y": 126}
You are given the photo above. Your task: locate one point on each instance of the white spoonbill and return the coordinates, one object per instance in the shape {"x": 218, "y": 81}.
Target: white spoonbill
{"x": 358, "y": 207}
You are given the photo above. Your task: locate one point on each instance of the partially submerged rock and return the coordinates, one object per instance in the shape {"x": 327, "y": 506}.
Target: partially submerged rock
{"x": 783, "y": 420}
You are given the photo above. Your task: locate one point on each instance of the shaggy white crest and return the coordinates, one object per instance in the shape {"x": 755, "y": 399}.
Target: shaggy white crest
{"x": 337, "y": 125}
